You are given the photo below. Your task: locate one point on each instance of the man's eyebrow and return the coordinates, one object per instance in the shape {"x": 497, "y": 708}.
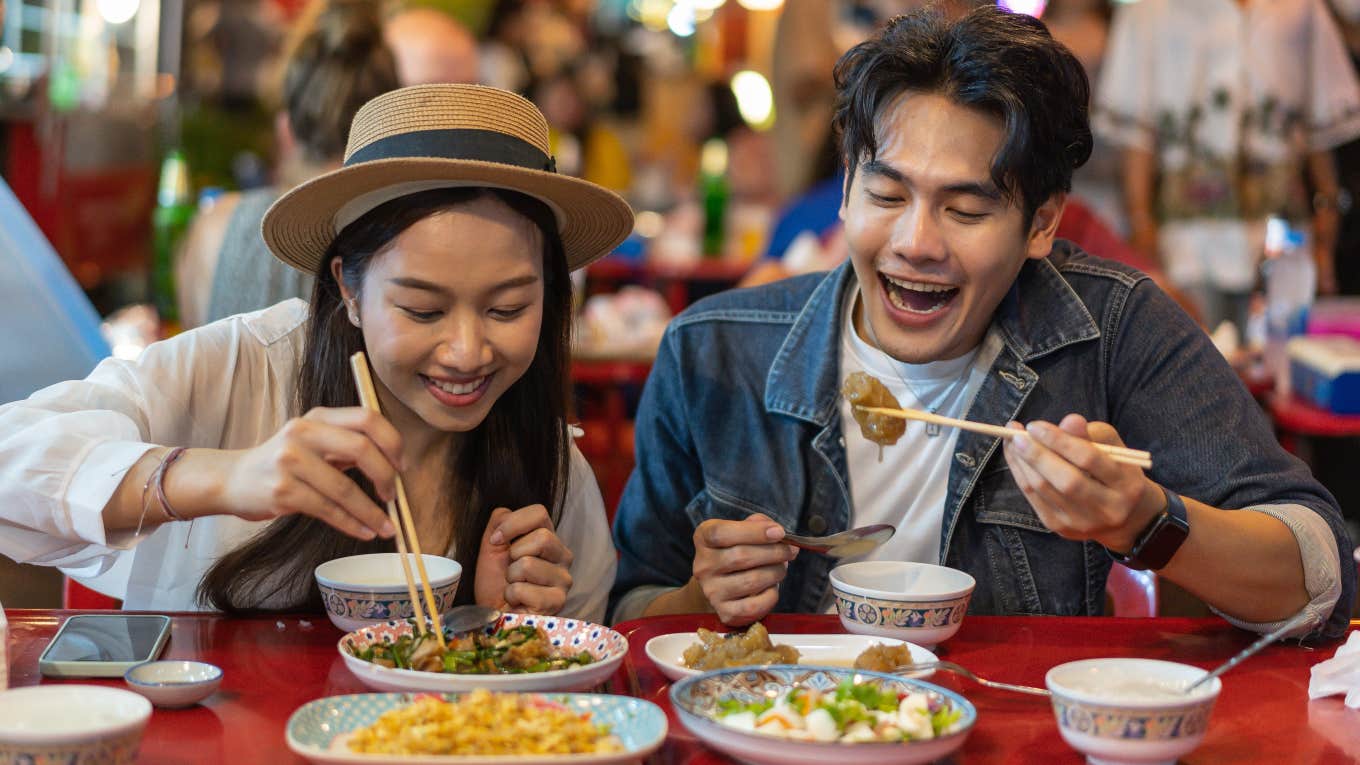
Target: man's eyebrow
{"x": 986, "y": 191}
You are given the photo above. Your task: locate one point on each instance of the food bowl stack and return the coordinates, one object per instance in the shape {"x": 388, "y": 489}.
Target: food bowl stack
{"x": 363, "y": 590}
{"x": 916, "y": 602}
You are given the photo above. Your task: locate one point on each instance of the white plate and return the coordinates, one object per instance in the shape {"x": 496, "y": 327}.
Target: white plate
{"x": 668, "y": 651}
{"x": 316, "y": 729}
{"x": 607, "y": 646}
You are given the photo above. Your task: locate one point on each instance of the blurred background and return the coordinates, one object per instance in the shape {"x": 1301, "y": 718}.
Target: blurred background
{"x": 139, "y": 137}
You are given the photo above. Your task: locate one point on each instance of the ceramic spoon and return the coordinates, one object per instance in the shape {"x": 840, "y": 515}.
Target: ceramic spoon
{"x": 468, "y": 618}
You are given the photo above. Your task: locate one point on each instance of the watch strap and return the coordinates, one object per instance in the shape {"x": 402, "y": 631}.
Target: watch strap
{"x": 1161, "y": 539}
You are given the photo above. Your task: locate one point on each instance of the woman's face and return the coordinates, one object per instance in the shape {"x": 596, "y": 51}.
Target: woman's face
{"x": 450, "y": 312}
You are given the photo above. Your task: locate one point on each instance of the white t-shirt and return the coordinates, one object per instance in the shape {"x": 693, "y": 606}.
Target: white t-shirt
{"x": 228, "y": 385}
{"x": 907, "y": 487}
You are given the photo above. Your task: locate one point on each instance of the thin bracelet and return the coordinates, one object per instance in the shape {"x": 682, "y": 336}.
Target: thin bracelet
{"x": 164, "y": 467}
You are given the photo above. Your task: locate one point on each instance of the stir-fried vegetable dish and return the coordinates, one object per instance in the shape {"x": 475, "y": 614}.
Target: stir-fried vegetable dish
{"x": 513, "y": 650}
{"x": 852, "y": 713}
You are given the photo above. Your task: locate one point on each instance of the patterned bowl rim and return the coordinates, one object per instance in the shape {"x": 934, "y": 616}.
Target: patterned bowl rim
{"x": 398, "y": 588}
{"x": 608, "y": 635}
{"x": 688, "y": 715}
{"x": 1206, "y": 693}
{"x": 839, "y": 584}
{"x": 646, "y": 748}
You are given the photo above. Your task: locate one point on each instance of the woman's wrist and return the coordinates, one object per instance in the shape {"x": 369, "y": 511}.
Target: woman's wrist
{"x": 193, "y": 486}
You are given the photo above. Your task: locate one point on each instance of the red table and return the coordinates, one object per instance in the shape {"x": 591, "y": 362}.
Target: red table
{"x": 272, "y": 666}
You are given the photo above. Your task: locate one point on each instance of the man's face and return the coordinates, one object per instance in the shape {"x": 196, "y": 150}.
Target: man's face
{"x": 934, "y": 243}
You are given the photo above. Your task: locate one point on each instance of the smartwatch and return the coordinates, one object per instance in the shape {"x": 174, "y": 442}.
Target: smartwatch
{"x": 1161, "y": 539}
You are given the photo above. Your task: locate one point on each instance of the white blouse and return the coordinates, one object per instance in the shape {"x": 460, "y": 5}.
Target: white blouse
{"x": 229, "y": 385}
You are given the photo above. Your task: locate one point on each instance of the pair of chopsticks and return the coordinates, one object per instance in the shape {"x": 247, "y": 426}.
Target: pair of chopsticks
{"x": 1117, "y": 453}
{"x": 405, "y": 526}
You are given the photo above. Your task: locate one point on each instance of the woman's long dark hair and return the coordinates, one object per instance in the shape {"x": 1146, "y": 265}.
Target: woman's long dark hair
{"x": 517, "y": 456}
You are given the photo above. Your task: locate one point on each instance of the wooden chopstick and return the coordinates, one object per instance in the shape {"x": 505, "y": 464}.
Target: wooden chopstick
{"x": 405, "y": 525}
{"x": 1120, "y": 454}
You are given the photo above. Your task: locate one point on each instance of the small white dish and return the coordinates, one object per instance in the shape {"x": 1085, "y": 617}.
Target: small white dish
{"x": 172, "y": 683}
{"x": 1124, "y": 711}
{"x": 668, "y": 651}
{"x": 71, "y": 723}
{"x": 918, "y": 602}
{"x": 604, "y": 644}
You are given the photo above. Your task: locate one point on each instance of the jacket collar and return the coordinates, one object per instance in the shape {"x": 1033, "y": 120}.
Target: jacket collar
{"x": 1040, "y": 314}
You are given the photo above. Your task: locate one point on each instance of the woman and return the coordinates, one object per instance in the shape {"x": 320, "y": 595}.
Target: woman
{"x": 442, "y": 249}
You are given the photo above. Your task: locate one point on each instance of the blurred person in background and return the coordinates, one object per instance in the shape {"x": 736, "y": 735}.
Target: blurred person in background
{"x": 1220, "y": 107}
{"x": 341, "y": 56}
{"x": 1347, "y": 253}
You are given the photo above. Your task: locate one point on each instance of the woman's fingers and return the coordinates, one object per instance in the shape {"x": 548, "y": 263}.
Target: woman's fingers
{"x": 541, "y": 543}
{"x": 340, "y": 492}
{"x": 372, "y": 424}
{"x": 342, "y": 447}
{"x": 540, "y": 572}
{"x": 534, "y": 599}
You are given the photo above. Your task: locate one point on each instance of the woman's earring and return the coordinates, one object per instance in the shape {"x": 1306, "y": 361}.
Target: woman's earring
{"x": 353, "y": 314}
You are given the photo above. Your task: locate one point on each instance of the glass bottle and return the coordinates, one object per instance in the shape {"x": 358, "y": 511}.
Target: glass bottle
{"x": 174, "y": 209}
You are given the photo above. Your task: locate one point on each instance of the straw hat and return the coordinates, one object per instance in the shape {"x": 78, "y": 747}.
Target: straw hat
{"x": 439, "y": 136}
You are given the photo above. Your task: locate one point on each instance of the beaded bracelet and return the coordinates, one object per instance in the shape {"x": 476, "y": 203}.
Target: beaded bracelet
{"x": 159, "y": 481}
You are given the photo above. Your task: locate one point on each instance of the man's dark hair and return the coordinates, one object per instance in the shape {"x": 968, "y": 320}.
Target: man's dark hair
{"x": 1003, "y": 64}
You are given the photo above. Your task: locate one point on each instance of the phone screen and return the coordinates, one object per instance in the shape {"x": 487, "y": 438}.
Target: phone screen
{"x": 108, "y": 637}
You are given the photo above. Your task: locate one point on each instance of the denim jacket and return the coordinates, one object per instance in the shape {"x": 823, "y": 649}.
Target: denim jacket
{"x": 740, "y": 415}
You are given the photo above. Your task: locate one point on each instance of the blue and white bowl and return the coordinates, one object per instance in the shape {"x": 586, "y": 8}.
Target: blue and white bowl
{"x": 695, "y": 700}
{"x": 363, "y": 590}
{"x": 317, "y": 729}
{"x": 917, "y": 602}
{"x": 1131, "y": 710}
{"x": 60, "y": 724}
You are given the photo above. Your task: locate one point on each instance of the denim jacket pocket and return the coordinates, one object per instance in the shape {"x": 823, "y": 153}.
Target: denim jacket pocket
{"x": 1032, "y": 569}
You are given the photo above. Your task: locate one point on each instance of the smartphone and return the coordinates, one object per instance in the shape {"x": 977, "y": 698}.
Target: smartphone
{"x": 104, "y": 645}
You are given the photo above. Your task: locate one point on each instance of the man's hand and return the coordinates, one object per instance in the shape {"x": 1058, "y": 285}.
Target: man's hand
{"x": 523, "y": 565}
{"x": 1077, "y": 490}
{"x": 739, "y": 565}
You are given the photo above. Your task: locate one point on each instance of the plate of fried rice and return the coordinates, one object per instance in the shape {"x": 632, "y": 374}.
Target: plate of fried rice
{"x": 477, "y": 728}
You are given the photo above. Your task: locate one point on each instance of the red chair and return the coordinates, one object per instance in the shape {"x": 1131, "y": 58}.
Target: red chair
{"x": 1133, "y": 593}
{"x": 78, "y": 597}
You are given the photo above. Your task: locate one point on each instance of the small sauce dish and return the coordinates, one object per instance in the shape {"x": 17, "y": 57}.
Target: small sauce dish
{"x": 174, "y": 683}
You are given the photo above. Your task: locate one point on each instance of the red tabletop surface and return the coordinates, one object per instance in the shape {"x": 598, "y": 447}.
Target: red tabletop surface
{"x": 274, "y": 665}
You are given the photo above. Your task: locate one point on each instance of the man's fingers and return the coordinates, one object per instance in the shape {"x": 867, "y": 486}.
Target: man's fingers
{"x": 756, "y": 530}
{"x": 739, "y": 613}
{"x": 743, "y": 584}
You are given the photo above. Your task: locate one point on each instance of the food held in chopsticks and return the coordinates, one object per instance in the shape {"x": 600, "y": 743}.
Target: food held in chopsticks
{"x": 863, "y": 390}
{"x": 512, "y": 650}
{"x": 852, "y": 713}
{"x": 483, "y": 723}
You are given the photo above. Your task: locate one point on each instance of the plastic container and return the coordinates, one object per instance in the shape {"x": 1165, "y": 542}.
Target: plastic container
{"x": 1291, "y": 285}
{"x": 1326, "y": 371}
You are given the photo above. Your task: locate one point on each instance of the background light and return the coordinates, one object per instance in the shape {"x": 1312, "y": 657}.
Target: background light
{"x": 117, "y": 11}
{"x": 755, "y": 100}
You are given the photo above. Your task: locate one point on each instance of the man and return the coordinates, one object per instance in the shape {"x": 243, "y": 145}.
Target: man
{"x": 960, "y": 140}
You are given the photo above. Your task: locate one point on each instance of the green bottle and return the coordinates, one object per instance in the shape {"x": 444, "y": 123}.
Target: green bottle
{"x": 174, "y": 209}
{"x": 713, "y": 189}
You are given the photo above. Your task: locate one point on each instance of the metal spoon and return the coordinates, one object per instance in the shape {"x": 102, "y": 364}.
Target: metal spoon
{"x": 1267, "y": 639}
{"x": 845, "y": 544}
{"x": 468, "y": 618}
{"x": 909, "y": 670}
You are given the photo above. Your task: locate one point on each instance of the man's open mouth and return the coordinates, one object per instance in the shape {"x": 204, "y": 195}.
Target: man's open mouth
{"x": 917, "y": 297}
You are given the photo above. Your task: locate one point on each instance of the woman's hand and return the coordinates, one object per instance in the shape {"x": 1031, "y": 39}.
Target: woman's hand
{"x": 523, "y": 565}
{"x": 300, "y": 470}
{"x": 1077, "y": 490}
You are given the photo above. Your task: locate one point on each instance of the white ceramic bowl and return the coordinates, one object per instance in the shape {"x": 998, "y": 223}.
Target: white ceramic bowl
{"x": 71, "y": 723}
{"x": 916, "y": 602}
{"x": 1131, "y": 710}
{"x": 173, "y": 683}
{"x": 363, "y": 590}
